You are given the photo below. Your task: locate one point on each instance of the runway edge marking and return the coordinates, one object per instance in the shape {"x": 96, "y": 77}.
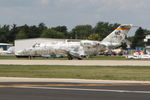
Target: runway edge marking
{"x": 92, "y": 90}
{"x": 52, "y": 85}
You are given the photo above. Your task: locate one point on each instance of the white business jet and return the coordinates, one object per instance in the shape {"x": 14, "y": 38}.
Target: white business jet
{"x": 81, "y": 48}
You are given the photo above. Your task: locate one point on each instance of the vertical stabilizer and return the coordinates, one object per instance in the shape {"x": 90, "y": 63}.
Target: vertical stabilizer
{"x": 117, "y": 36}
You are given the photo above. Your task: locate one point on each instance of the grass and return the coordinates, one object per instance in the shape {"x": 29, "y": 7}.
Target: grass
{"x": 79, "y": 72}
{"x": 107, "y": 58}
{"x": 8, "y": 57}
{"x": 91, "y": 58}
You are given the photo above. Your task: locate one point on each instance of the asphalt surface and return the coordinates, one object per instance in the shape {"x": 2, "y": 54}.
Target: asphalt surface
{"x": 52, "y": 91}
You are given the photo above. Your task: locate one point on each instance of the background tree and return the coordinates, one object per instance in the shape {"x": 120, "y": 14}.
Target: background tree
{"x": 62, "y": 29}
{"x": 138, "y": 40}
{"x": 49, "y": 33}
{"x": 12, "y": 34}
{"x": 104, "y": 28}
{"x": 42, "y": 27}
{"x": 33, "y": 32}
{"x": 94, "y": 37}
{"x": 81, "y": 31}
{"x": 4, "y": 34}
{"x": 21, "y": 35}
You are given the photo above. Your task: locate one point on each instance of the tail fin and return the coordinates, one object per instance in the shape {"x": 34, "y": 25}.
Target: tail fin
{"x": 117, "y": 36}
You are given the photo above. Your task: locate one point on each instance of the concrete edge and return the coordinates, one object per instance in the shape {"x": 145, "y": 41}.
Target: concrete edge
{"x": 17, "y": 79}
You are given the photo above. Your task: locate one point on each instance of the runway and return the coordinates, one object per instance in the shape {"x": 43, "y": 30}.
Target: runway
{"x": 39, "y": 91}
{"x": 69, "y": 89}
{"x": 78, "y": 62}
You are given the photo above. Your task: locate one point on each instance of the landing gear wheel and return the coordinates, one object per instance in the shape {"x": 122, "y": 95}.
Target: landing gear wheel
{"x": 70, "y": 57}
{"x": 79, "y": 58}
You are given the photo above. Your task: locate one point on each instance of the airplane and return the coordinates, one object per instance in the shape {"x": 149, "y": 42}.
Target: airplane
{"x": 143, "y": 56}
{"x": 11, "y": 50}
{"x": 81, "y": 48}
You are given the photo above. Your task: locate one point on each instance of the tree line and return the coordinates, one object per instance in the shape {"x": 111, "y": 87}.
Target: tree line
{"x": 9, "y": 33}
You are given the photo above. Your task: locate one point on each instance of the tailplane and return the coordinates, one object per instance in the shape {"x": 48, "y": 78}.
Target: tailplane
{"x": 117, "y": 36}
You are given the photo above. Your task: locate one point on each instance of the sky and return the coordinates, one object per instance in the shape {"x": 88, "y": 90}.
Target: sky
{"x": 75, "y": 12}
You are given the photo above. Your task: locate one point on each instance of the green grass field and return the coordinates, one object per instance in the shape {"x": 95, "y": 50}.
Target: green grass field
{"x": 91, "y": 58}
{"x": 107, "y": 58}
{"x": 79, "y": 72}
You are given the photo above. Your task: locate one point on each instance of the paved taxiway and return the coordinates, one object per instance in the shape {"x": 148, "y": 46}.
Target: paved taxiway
{"x": 78, "y": 62}
{"x": 47, "y": 91}
{"x": 67, "y": 80}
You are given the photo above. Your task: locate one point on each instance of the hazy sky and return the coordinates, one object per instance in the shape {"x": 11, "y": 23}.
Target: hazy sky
{"x": 75, "y": 12}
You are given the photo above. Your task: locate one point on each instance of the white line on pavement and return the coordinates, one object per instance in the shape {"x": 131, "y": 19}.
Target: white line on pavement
{"x": 93, "y": 90}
